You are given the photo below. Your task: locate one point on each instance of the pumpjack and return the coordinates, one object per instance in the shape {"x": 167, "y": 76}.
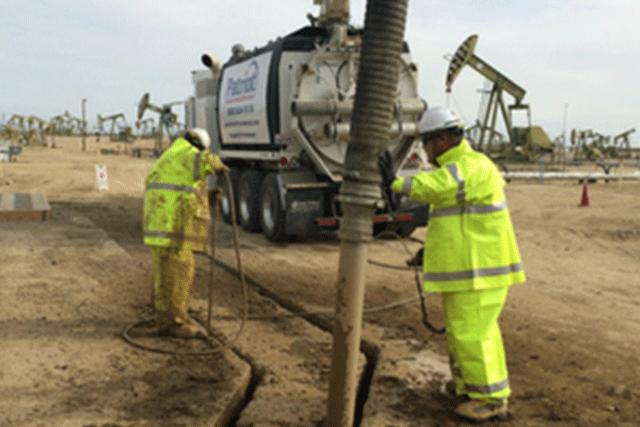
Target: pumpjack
{"x": 528, "y": 142}
{"x": 594, "y": 146}
{"x": 65, "y": 124}
{"x": 120, "y": 131}
{"x": 621, "y": 143}
{"x": 40, "y": 131}
{"x": 15, "y": 129}
{"x": 167, "y": 122}
{"x": 146, "y": 127}
{"x": 586, "y": 145}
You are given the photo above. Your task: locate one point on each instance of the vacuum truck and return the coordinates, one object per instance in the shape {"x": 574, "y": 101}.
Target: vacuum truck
{"x": 279, "y": 117}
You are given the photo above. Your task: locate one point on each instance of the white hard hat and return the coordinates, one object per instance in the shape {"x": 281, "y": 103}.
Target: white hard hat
{"x": 438, "y": 118}
{"x": 202, "y": 136}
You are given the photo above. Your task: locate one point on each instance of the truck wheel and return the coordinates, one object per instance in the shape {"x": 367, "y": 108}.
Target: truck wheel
{"x": 225, "y": 201}
{"x": 248, "y": 200}
{"x": 272, "y": 216}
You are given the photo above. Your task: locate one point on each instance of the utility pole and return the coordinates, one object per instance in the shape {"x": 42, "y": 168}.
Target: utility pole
{"x": 84, "y": 125}
{"x": 360, "y": 193}
{"x": 564, "y": 137}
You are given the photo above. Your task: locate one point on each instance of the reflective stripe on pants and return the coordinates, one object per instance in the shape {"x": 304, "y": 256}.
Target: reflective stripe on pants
{"x": 478, "y": 362}
{"x": 173, "y": 274}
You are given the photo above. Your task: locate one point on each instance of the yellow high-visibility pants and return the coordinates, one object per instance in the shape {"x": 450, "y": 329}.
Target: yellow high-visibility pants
{"x": 174, "y": 269}
{"x": 478, "y": 362}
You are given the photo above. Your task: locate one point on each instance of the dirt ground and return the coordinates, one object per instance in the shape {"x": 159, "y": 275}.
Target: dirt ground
{"x": 571, "y": 332}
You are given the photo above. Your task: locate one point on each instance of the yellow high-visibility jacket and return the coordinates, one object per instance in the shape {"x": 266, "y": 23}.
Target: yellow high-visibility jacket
{"x": 176, "y": 202}
{"x": 470, "y": 243}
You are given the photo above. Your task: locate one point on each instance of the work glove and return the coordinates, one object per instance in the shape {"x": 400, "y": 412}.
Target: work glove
{"x": 215, "y": 195}
{"x": 386, "y": 169}
{"x": 222, "y": 171}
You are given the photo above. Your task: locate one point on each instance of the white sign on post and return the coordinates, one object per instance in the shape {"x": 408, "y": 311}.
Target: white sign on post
{"x": 102, "y": 181}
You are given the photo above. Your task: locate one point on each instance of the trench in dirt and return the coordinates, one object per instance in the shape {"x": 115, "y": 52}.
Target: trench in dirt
{"x": 368, "y": 349}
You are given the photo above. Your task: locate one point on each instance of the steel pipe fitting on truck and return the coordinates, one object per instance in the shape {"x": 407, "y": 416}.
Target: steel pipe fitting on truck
{"x": 333, "y": 107}
{"x": 340, "y": 130}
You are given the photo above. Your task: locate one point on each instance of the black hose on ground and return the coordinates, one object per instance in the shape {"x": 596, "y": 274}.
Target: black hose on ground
{"x": 225, "y": 345}
{"x": 421, "y": 295}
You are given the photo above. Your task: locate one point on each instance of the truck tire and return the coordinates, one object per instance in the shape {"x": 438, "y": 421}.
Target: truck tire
{"x": 272, "y": 216}
{"x": 225, "y": 200}
{"x": 249, "y": 200}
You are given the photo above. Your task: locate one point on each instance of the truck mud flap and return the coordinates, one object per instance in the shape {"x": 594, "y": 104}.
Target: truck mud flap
{"x": 304, "y": 206}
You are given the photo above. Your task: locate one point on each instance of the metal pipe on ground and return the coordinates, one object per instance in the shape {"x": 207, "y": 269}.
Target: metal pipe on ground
{"x": 360, "y": 193}
{"x": 585, "y": 176}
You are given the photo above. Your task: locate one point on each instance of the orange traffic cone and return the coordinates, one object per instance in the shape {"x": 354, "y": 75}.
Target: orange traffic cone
{"x": 585, "y": 197}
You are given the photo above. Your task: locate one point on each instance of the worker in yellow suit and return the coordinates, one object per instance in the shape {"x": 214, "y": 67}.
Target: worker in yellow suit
{"x": 176, "y": 221}
{"x": 470, "y": 256}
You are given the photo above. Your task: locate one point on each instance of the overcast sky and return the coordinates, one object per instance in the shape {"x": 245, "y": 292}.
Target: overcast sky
{"x": 578, "y": 56}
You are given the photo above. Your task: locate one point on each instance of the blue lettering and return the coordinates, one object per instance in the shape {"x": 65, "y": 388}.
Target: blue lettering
{"x": 243, "y": 109}
{"x": 243, "y": 86}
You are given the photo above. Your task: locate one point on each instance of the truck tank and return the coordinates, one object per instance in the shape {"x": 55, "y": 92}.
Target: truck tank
{"x": 282, "y": 117}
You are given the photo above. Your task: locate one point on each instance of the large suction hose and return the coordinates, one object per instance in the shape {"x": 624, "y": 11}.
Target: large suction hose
{"x": 360, "y": 193}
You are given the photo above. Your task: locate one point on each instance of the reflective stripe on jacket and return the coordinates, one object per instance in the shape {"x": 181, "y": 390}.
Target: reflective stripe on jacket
{"x": 176, "y": 203}
{"x": 470, "y": 243}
